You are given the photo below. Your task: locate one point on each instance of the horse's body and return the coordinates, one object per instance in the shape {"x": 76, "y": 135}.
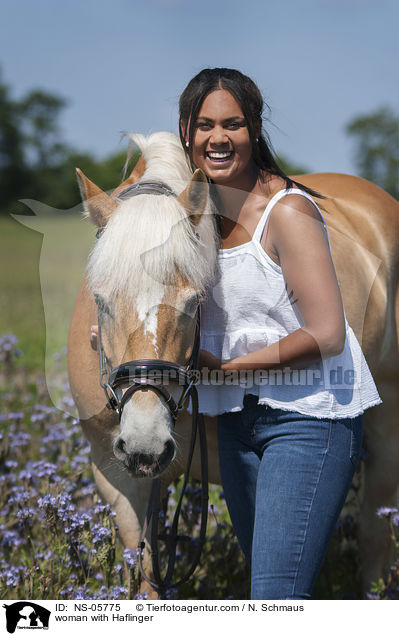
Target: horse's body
{"x": 363, "y": 223}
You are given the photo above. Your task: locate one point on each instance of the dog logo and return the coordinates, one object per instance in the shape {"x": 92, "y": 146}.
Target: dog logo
{"x": 26, "y": 615}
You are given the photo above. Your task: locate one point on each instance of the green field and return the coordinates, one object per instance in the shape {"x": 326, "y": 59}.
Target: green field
{"x": 40, "y": 273}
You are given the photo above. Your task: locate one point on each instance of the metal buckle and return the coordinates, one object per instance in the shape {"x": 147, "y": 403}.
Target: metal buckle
{"x": 113, "y": 401}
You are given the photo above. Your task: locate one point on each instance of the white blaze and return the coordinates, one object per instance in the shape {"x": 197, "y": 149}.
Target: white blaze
{"x": 147, "y": 307}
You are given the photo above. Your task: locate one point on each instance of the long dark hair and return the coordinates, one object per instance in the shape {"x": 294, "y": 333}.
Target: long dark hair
{"x": 249, "y": 97}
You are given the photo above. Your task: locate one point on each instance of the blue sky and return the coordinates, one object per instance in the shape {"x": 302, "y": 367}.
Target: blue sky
{"x": 122, "y": 64}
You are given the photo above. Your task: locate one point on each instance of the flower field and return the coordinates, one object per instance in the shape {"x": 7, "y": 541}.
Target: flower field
{"x": 58, "y": 540}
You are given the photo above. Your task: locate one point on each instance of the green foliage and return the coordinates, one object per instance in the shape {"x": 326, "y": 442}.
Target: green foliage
{"x": 376, "y": 137}
{"x": 39, "y": 112}
{"x": 12, "y": 167}
{"x": 36, "y": 163}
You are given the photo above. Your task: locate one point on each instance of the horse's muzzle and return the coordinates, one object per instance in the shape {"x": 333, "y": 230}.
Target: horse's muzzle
{"x": 145, "y": 464}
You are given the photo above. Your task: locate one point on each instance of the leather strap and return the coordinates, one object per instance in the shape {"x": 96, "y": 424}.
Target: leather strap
{"x": 159, "y": 582}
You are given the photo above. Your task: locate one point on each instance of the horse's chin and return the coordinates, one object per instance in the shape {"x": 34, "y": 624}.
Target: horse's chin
{"x": 149, "y": 472}
{"x": 141, "y": 465}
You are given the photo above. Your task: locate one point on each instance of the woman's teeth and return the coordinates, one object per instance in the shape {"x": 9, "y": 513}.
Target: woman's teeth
{"x": 219, "y": 156}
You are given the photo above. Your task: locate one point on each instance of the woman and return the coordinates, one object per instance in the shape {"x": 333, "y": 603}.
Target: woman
{"x": 288, "y": 445}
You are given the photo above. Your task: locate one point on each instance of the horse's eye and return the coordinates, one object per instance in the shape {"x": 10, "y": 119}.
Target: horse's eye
{"x": 191, "y": 304}
{"x": 102, "y": 305}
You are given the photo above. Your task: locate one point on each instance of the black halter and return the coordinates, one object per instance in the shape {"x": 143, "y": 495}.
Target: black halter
{"x": 144, "y": 375}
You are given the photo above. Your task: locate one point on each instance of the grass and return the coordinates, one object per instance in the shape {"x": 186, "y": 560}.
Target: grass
{"x": 40, "y": 273}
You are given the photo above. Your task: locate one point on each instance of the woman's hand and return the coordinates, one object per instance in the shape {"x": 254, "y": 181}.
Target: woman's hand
{"x": 207, "y": 359}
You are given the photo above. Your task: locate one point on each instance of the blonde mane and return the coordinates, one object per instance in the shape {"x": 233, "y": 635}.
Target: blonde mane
{"x": 149, "y": 240}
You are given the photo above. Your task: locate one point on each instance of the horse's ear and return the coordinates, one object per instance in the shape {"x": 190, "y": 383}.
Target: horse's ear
{"x": 135, "y": 175}
{"x": 97, "y": 204}
{"x": 194, "y": 198}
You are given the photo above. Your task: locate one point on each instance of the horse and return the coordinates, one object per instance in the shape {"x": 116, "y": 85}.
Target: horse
{"x": 155, "y": 256}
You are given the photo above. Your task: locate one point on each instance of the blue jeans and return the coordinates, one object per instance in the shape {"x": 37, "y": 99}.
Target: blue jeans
{"x": 285, "y": 478}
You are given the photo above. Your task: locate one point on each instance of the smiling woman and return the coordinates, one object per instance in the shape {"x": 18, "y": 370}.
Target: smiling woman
{"x": 288, "y": 450}
{"x": 223, "y": 146}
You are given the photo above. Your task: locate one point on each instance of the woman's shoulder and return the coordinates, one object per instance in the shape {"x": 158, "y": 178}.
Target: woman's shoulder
{"x": 293, "y": 202}
{"x": 296, "y": 216}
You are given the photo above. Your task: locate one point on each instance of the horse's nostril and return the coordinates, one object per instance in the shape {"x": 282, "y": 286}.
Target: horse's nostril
{"x": 169, "y": 450}
{"x": 120, "y": 445}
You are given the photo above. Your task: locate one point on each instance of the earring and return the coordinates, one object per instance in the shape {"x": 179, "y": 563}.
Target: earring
{"x": 187, "y": 144}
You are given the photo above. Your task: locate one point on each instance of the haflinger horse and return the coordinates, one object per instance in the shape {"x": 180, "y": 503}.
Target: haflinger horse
{"x": 156, "y": 255}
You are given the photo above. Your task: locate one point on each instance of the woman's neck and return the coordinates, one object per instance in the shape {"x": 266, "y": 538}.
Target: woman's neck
{"x": 233, "y": 195}
{"x": 253, "y": 188}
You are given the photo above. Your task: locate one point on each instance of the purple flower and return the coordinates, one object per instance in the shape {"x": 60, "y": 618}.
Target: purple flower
{"x": 10, "y": 463}
{"x": 88, "y": 490}
{"x": 47, "y": 500}
{"x": 100, "y": 533}
{"x": 74, "y": 520}
{"x": 118, "y": 591}
{"x": 26, "y": 513}
{"x": 17, "y": 415}
{"x": 19, "y": 495}
{"x": 82, "y": 593}
{"x": 25, "y": 474}
{"x": 100, "y": 508}
{"x": 45, "y": 556}
{"x": 10, "y": 538}
{"x": 8, "y": 347}
{"x": 386, "y": 512}
{"x": 11, "y": 575}
{"x": 18, "y": 439}
{"x": 8, "y": 479}
{"x": 131, "y": 557}
{"x": 79, "y": 462}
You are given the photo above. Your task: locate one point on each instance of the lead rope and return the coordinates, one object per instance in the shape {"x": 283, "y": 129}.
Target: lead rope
{"x": 159, "y": 583}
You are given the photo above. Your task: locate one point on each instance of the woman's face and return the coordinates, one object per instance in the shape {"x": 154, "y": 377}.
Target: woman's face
{"x": 222, "y": 146}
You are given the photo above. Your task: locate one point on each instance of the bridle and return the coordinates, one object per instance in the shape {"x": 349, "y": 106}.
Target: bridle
{"x": 146, "y": 373}
{"x": 143, "y": 375}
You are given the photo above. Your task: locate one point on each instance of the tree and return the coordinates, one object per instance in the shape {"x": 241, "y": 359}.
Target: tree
{"x": 13, "y": 171}
{"x": 377, "y": 148}
{"x": 31, "y": 150}
{"x": 39, "y": 112}
{"x": 36, "y": 163}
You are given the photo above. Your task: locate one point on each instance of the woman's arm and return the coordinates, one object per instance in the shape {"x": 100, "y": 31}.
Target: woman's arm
{"x": 300, "y": 241}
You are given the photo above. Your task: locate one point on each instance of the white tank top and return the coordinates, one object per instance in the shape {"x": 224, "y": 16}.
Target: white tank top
{"x": 248, "y": 308}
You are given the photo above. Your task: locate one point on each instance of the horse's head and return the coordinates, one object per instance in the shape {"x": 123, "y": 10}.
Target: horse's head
{"x": 154, "y": 258}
